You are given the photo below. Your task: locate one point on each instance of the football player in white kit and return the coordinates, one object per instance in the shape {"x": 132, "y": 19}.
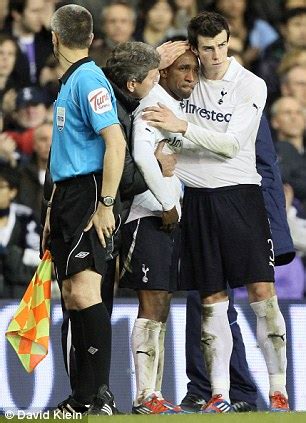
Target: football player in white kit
{"x": 225, "y": 231}
{"x": 148, "y": 254}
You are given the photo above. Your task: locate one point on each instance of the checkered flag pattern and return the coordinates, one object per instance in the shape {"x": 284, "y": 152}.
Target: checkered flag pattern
{"x": 28, "y": 331}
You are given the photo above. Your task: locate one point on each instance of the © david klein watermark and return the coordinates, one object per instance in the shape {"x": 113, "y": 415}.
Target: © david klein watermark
{"x": 41, "y": 415}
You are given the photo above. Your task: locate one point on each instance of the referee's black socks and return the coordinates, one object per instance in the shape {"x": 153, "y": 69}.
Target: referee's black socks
{"x": 81, "y": 373}
{"x": 98, "y": 338}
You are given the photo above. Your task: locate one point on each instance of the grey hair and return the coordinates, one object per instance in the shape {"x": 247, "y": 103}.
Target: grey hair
{"x": 131, "y": 61}
{"x": 74, "y": 26}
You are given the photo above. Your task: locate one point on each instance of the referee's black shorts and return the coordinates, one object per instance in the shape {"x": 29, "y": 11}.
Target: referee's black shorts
{"x": 226, "y": 238}
{"x": 149, "y": 256}
{"x": 73, "y": 250}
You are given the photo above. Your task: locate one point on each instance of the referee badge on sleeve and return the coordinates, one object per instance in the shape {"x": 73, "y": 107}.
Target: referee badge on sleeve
{"x": 60, "y": 118}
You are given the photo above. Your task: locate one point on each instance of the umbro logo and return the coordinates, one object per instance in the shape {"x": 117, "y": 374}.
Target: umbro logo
{"x": 82, "y": 254}
{"x": 92, "y": 350}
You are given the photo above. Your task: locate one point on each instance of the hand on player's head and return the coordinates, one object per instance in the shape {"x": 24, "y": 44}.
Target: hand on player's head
{"x": 170, "y": 51}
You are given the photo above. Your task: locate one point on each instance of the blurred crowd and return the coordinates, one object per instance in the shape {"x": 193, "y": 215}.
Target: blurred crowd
{"x": 269, "y": 38}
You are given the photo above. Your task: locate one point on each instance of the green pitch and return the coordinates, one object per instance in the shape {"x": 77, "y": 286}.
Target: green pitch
{"x": 199, "y": 418}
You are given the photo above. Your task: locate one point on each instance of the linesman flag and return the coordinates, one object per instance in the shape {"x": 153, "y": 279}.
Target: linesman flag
{"x": 28, "y": 331}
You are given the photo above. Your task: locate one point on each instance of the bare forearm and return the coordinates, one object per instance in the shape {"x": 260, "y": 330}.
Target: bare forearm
{"x": 113, "y": 162}
{"x": 112, "y": 170}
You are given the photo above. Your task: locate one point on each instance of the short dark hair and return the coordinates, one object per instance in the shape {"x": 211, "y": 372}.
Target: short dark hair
{"x": 7, "y": 37}
{"x": 144, "y": 6}
{"x": 206, "y": 24}
{"x": 74, "y": 26}
{"x": 131, "y": 60}
{"x": 10, "y": 175}
{"x": 17, "y": 6}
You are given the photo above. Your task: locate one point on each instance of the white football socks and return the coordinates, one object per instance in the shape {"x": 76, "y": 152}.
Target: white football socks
{"x": 161, "y": 360}
{"x": 217, "y": 345}
{"x": 145, "y": 348}
{"x": 271, "y": 337}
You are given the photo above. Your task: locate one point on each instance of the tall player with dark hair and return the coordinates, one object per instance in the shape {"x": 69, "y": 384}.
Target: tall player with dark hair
{"x": 223, "y": 207}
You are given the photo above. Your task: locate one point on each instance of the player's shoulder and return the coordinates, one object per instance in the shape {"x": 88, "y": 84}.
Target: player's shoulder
{"x": 155, "y": 96}
{"x": 248, "y": 85}
{"x": 246, "y": 78}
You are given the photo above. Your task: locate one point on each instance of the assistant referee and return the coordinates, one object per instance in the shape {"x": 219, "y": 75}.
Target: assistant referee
{"x": 86, "y": 165}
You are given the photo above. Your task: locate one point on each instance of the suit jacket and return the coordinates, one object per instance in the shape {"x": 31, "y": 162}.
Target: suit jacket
{"x": 272, "y": 188}
{"x": 43, "y": 49}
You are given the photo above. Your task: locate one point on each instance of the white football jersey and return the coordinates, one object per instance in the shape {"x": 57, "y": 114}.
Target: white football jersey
{"x": 164, "y": 192}
{"x": 223, "y": 113}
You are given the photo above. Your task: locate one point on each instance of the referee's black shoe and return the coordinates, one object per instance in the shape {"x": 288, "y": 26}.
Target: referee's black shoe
{"x": 70, "y": 406}
{"x": 103, "y": 403}
{"x": 192, "y": 403}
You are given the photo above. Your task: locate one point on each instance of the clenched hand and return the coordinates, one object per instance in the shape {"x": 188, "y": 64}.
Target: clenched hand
{"x": 170, "y": 219}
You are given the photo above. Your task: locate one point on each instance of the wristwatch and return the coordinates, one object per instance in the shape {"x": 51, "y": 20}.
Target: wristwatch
{"x": 108, "y": 201}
